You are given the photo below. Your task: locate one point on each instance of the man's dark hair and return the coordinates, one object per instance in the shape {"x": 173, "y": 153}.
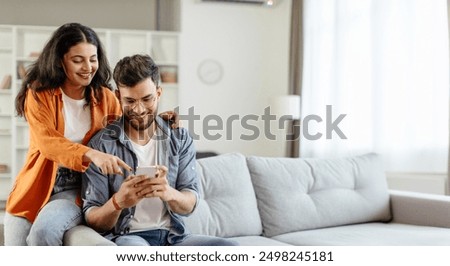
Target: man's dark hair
{"x": 131, "y": 70}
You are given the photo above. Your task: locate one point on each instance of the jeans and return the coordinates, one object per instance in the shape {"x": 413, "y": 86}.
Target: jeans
{"x": 159, "y": 238}
{"x": 16, "y": 230}
{"x": 53, "y": 220}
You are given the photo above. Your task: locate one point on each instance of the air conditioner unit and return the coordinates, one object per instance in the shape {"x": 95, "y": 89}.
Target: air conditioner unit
{"x": 258, "y": 2}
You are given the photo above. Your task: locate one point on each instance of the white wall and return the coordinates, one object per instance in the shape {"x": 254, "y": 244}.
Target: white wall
{"x": 252, "y": 44}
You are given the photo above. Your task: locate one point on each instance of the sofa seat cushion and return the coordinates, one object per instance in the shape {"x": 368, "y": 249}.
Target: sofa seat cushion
{"x": 82, "y": 235}
{"x": 257, "y": 241}
{"x": 299, "y": 194}
{"x": 227, "y": 206}
{"x": 370, "y": 234}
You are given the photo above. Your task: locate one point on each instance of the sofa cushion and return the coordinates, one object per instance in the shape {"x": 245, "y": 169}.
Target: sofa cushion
{"x": 370, "y": 234}
{"x": 227, "y": 205}
{"x": 82, "y": 235}
{"x": 296, "y": 194}
{"x": 257, "y": 241}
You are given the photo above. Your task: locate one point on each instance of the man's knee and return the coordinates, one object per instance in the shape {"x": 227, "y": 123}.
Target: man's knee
{"x": 131, "y": 240}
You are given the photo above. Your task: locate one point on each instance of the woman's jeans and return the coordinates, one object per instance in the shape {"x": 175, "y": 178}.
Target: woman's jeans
{"x": 53, "y": 220}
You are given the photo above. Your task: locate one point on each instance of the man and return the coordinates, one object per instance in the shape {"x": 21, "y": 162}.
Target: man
{"x": 140, "y": 209}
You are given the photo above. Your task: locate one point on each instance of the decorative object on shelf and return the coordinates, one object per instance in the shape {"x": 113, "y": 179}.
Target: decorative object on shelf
{"x": 6, "y": 82}
{"x": 3, "y": 168}
{"x": 35, "y": 54}
{"x": 21, "y": 71}
{"x": 168, "y": 77}
{"x": 168, "y": 74}
{"x": 210, "y": 71}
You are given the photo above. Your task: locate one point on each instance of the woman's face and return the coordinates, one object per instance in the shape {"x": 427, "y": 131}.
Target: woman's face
{"x": 80, "y": 64}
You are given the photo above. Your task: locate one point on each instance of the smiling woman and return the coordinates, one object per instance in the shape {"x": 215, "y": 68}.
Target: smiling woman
{"x": 65, "y": 97}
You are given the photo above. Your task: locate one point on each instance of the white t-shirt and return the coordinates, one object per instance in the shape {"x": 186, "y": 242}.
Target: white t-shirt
{"x": 77, "y": 118}
{"x": 150, "y": 212}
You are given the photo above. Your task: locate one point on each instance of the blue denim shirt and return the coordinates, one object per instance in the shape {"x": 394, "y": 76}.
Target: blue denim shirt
{"x": 176, "y": 151}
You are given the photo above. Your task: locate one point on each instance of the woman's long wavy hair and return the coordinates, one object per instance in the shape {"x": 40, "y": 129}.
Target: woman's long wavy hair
{"x": 47, "y": 72}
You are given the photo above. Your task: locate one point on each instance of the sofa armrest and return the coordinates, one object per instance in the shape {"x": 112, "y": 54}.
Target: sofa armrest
{"x": 420, "y": 208}
{"x": 82, "y": 235}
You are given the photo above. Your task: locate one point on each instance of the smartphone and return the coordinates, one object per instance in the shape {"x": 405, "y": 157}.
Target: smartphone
{"x": 149, "y": 171}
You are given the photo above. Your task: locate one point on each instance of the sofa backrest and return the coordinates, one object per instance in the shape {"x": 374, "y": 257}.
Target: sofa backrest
{"x": 227, "y": 207}
{"x": 296, "y": 194}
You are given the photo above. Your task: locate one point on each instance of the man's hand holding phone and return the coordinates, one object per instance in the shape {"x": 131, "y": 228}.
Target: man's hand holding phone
{"x": 149, "y": 171}
{"x": 154, "y": 183}
{"x": 147, "y": 182}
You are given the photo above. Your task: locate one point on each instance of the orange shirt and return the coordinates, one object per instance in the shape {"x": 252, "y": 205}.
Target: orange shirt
{"x": 49, "y": 148}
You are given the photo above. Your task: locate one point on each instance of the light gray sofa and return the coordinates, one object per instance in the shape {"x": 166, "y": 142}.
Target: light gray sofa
{"x": 294, "y": 201}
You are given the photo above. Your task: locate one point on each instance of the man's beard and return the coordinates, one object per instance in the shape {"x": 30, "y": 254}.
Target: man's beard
{"x": 137, "y": 122}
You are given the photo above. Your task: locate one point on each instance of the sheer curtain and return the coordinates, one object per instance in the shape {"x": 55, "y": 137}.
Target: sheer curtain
{"x": 382, "y": 65}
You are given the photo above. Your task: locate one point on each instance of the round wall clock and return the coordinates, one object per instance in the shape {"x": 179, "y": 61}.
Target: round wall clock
{"x": 210, "y": 71}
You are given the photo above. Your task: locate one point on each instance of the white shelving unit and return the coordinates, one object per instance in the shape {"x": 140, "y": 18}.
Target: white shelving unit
{"x": 19, "y": 47}
{"x": 6, "y": 108}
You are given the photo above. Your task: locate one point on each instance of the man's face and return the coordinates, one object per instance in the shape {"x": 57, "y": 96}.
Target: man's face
{"x": 140, "y": 104}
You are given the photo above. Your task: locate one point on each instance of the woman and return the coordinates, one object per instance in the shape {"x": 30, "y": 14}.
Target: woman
{"x": 66, "y": 99}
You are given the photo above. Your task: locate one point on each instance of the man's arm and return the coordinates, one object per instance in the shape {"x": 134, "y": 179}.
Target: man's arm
{"x": 99, "y": 212}
{"x": 103, "y": 218}
{"x": 183, "y": 203}
{"x": 187, "y": 182}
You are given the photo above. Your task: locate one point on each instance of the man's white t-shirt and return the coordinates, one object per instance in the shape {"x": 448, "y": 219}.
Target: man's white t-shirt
{"x": 150, "y": 212}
